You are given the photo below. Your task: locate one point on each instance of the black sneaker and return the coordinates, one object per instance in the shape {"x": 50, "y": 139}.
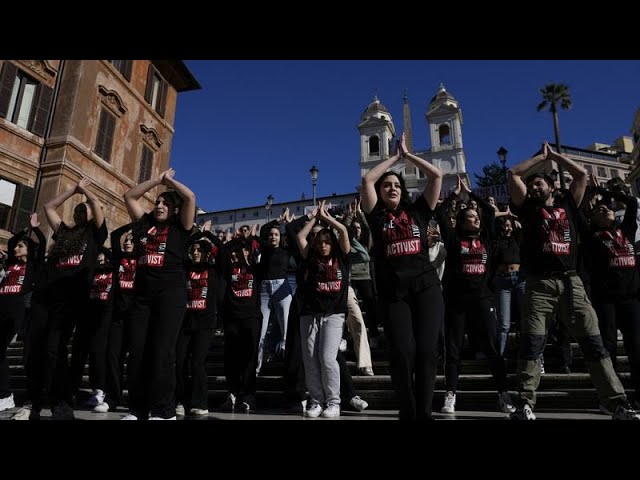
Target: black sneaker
{"x": 624, "y": 411}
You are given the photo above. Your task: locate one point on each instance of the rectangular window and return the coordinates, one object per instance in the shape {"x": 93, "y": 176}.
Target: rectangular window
{"x": 124, "y": 67}
{"x": 614, "y": 173}
{"x": 104, "y": 139}
{"x": 589, "y": 169}
{"x": 602, "y": 172}
{"x": 24, "y": 101}
{"x": 146, "y": 164}
{"x": 156, "y": 91}
{"x": 255, "y": 214}
{"x": 7, "y": 196}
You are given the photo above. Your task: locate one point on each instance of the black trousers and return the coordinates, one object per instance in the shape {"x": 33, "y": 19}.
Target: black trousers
{"x": 37, "y": 367}
{"x": 241, "y": 337}
{"x": 295, "y": 384}
{"x": 481, "y": 313}
{"x": 412, "y": 323}
{"x": 192, "y": 387}
{"x": 153, "y": 334}
{"x": 623, "y": 316}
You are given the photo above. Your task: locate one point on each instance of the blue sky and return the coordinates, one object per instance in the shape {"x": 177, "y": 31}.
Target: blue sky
{"x": 257, "y": 127}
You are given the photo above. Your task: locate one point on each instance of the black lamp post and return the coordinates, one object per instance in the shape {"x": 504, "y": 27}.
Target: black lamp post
{"x": 314, "y": 180}
{"x": 502, "y": 155}
{"x": 268, "y": 206}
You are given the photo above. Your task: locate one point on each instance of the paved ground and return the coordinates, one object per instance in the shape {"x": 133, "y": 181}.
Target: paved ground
{"x": 281, "y": 415}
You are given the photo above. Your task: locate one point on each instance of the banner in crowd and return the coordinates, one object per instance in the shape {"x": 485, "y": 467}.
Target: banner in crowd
{"x": 499, "y": 192}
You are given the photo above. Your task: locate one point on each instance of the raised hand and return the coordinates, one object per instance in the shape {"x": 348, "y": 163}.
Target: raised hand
{"x": 168, "y": 175}
{"x": 358, "y": 207}
{"x": 82, "y": 185}
{"x": 33, "y": 220}
{"x": 458, "y": 187}
{"x": 206, "y": 227}
{"x": 463, "y": 185}
{"x": 403, "y": 145}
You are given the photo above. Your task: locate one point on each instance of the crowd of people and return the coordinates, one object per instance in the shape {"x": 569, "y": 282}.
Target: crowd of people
{"x": 429, "y": 271}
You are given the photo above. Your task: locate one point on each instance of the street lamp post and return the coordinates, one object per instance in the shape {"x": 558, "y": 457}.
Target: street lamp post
{"x": 314, "y": 180}
{"x": 502, "y": 155}
{"x": 268, "y": 206}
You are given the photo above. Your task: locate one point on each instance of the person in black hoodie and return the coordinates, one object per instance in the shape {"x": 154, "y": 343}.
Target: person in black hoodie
{"x": 92, "y": 334}
{"x": 614, "y": 279}
{"x": 125, "y": 260}
{"x": 467, "y": 294}
{"x": 70, "y": 264}
{"x": 199, "y": 324}
{"x": 242, "y": 318}
{"x": 24, "y": 260}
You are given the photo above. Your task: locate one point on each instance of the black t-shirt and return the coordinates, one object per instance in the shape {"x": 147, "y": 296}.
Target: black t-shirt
{"x": 400, "y": 249}
{"x": 162, "y": 254}
{"x": 506, "y": 251}
{"x": 241, "y": 300}
{"x": 101, "y": 290}
{"x": 467, "y": 270}
{"x": 201, "y": 297}
{"x": 549, "y": 235}
{"x": 78, "y": 267}
{"x": 326, "y": 283}
{"x": 611, "y": 260}
{"x": 274, "y": 263}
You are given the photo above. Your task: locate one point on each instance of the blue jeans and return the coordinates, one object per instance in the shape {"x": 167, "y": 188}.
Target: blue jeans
{"x": 509, "y": 288}
{"x": 274, "y": 294}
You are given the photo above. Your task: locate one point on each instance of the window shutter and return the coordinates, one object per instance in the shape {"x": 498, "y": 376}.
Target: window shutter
{"x": 42, "y": 110}
{"x": 162, "y": 100}
{"x": 23, "y": 206}
{"x": 146, "y": 164}
{"x": 101, "y": 134}
{"x": 126, "y": 71}
{"x": 149, "y": 91}
{"x": 7, "y": 79}
{"x": 110, "y": 125}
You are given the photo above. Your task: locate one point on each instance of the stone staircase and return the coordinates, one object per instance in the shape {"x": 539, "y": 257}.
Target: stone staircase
{"x": 557, "y": 391}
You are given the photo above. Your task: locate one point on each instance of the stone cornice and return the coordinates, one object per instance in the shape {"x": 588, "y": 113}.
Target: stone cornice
{"x": 112, "y": 100}
{"x": 151, "y": 137}
{"x": 40, "y": 68}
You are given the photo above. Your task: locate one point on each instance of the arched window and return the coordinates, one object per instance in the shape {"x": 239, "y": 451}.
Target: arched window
{"x": 374, "y": 145}
{"x": 445, "y": 134}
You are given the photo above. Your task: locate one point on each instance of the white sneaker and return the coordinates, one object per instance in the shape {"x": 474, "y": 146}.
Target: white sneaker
{"x": 7, "y": 403}
{"x": 541, "y": 365}
{"x": 180, "y": 410}
{"x": 129, "y": 416}
{"x": 200, "y": 412}
{"x": 314, "y": 411}
{"x": 160, "y": 418}
{"x": 101, "y": 408}
{"x": 525, "y": 413}
{"x": 359, "y": 404}
{"x": 23, "y": 414}
{"x": 332, "y": 411}
{"x": 343, "y": 345}
{"x": 504, "y": 403}
{"x": 449, "y": 403}
{"x": 96, "y": 398}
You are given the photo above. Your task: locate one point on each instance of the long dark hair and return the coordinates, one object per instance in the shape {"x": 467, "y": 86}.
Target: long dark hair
{"x": 405, "y": 200}
{"x": 68, "y": 241}
{"x": 174, "y": 201}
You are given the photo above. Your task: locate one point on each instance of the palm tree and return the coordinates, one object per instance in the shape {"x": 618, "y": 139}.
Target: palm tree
{"x": 554, "y": 94}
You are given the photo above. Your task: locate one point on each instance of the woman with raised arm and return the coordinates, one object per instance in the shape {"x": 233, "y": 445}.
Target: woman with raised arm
{"x": 125, "y": 259}
{"x": 322, "y": 314}
{"x": 410, "y": 297}
{"x": 468, "y": 298}
{"x": 160, "y": 238}
{"x": 71, "y": 262}
{"x": 25, "y": 258}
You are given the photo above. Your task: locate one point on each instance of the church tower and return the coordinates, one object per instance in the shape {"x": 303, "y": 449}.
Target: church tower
{"x": 376, "y": 135}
